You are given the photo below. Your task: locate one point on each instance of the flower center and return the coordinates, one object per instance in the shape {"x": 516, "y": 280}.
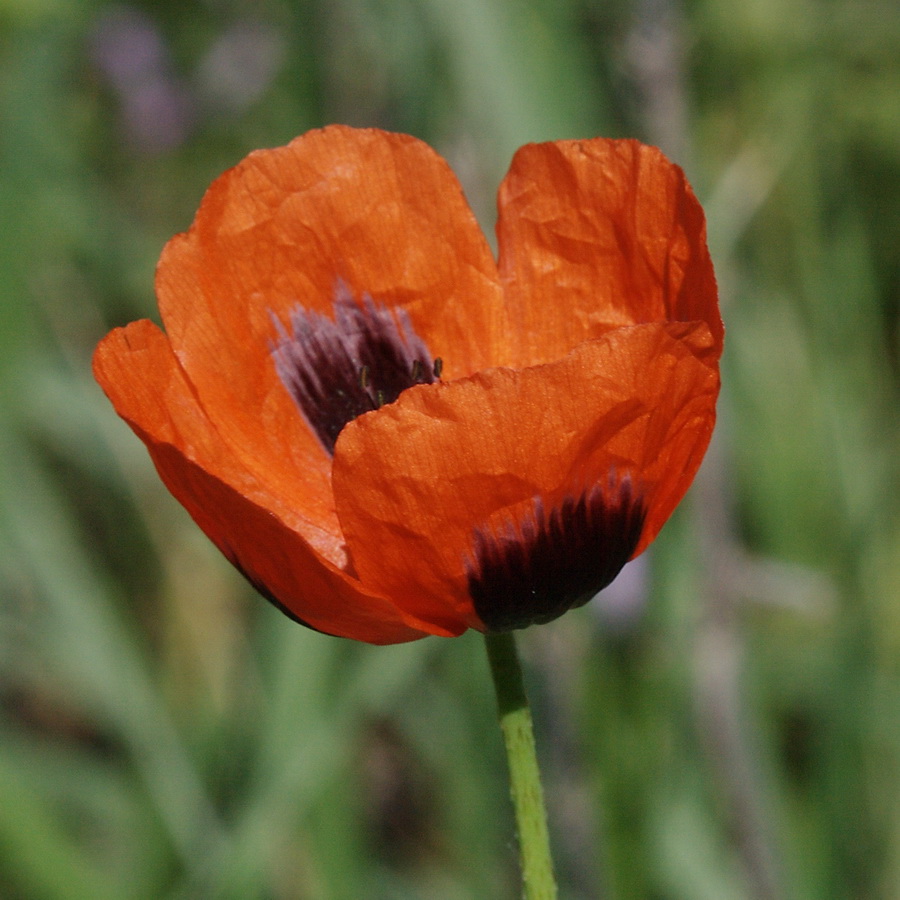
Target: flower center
{"x": 534, "y": 570}
{"x": 337, "y": 369}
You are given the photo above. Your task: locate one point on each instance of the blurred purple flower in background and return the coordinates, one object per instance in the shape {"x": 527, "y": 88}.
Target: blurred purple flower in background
{"x": 129, "y": 50}
{"x": 159, "y": 108}
{"x": 621, "y": 605}
{"x": 239, "y": 66}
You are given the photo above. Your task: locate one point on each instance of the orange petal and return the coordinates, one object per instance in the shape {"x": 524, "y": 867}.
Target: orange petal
{"x": 137, "y": 369}
{"x": 413, "y": 480}
{"x": 598, "y": 234}
{"x": 379, "y": 213}
{"x": 290, "y": 557}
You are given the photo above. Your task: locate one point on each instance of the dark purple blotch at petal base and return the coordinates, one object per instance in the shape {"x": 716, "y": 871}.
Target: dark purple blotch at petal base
{"x": 337, "y": 369}
{"x": 550, "y": 562}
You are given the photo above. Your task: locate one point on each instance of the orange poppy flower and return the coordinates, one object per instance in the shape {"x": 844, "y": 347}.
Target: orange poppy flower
{"x": 390, "y": 433}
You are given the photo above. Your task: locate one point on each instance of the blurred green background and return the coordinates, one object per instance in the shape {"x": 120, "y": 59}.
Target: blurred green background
{"x": 723, "y": 724}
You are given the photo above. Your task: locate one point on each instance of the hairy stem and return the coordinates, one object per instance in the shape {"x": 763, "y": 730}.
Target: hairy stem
{"x": 527, "y": 793}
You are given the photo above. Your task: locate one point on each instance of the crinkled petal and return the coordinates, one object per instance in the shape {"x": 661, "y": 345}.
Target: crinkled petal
{"x": 290, "y": 558}
{"x": 599, "y": 234}
{"x": 335, "y": 210}
{"x": 414, "y": 480}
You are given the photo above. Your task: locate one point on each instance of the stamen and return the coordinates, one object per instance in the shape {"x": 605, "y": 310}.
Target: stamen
{"x": 337, "y": 369}
{"x": 438, "y": 367}
{"x": 534, "y": 570}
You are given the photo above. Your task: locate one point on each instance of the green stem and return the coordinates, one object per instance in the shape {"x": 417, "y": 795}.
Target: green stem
{"x": 524, "y": 776}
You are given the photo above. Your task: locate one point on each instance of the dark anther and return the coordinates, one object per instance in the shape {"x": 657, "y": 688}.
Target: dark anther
{"x": 438, "y": 367}
{"x": 337, "y": 369}
{"x": 536, "y": 569}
